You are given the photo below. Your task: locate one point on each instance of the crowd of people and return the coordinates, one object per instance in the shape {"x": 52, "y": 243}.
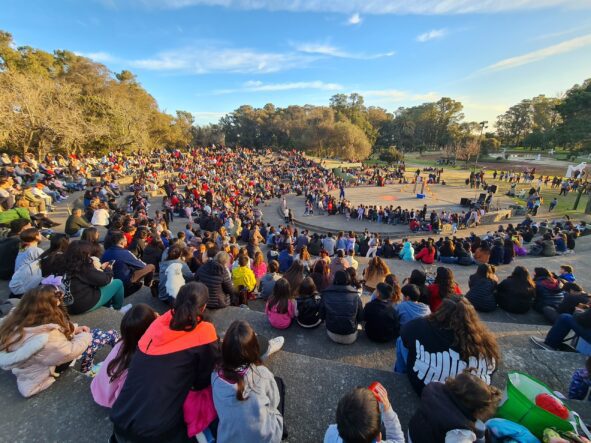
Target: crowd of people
{"x": 227, "y": 256}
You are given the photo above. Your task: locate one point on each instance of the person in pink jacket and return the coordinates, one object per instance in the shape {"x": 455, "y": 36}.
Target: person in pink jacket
{"x": 109, "y": 380}
{"x": 281, "y": 308}
{"x": 38, "y": 340}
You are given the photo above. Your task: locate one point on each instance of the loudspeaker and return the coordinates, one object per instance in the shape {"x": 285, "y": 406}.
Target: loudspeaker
{"x": 492, "y": 189}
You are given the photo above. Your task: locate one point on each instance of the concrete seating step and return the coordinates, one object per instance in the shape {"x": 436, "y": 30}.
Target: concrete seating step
{"x": 65, "y": 412}
{"x": 313, "y": 389}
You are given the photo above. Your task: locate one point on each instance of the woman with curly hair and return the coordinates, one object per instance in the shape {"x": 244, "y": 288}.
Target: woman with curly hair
{"x": 468, "y": 402}
{"x": 375, "y": 273}
{"x": 456, "y": 336}
{"x": 38, "y": 340}
{"x": 444, "y": 286}
{"x": 89, "y": 288}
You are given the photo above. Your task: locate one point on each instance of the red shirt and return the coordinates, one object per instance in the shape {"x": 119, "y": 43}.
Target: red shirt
{"x": 425, "y": 256}
{"x": 434, "y": 297}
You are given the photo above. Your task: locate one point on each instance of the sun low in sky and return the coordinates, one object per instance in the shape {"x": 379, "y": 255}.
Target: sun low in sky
{"x": 211, "y": 56}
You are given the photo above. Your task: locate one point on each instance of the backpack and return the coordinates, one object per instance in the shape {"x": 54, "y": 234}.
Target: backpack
{"x": 68, "y": 297}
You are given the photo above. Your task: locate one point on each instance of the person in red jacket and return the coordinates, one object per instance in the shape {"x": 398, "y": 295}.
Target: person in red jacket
{"x": 443, "y": 287}
{"x": 427, "y": 254}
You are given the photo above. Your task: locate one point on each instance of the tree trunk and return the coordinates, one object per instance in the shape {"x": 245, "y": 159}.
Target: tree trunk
{"x": 588, "y": 207}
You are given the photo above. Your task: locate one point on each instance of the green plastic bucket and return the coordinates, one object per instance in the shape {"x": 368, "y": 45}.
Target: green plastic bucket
{"x": 519, "y": 405}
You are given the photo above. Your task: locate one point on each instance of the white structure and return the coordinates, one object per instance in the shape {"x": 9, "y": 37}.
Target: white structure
{"x": 570, "y": 172}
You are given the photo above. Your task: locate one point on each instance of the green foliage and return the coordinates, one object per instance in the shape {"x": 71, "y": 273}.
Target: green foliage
{"x": 391, "y": 155}
{"x": 65, "y": 102}
{"x": 532, "y": 123}
{"x": 575, "y": 110}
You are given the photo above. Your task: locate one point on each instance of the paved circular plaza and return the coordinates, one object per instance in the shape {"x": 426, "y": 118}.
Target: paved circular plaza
{"x": 437, "y": 197}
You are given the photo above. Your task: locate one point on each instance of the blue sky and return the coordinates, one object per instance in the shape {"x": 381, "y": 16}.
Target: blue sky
{"x": 210, "y": 56}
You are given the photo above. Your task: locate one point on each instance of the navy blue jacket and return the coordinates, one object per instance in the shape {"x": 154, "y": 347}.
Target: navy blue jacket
{"x": 341, "y": 308}
{"x": 125, "y": 263}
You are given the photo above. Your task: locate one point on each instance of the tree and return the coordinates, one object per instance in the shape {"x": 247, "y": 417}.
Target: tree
{"x": 66, "y": 102}
{"x": 349, "y": 142}
{"x": 391, "y": 155}
{"x": 514, "y": 125}
{"x": 575, "y": 111}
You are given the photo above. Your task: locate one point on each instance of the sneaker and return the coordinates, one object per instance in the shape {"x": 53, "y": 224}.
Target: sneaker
{"x": 275, "y": 344}
{"x": 244, "y": 307}
{"x": 125, "y": 308}
{"x": 541, "y": 343}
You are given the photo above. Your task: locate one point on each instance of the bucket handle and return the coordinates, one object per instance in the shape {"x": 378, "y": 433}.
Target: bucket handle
{"x": 578, "y": 421}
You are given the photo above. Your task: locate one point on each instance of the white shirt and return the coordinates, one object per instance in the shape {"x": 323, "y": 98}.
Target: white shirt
{"x": 100, "y": 217}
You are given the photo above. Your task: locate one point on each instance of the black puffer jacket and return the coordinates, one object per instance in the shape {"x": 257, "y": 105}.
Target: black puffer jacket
{"x": 341, "y": 309}
{"x": 218, "y": 282}
{"x": 482, "y": 294}
{"x": 515, "y": 296}
{"x": 309, "y": 310}
{"x": 429, "y": 425}
{"x": 85, "y": 287}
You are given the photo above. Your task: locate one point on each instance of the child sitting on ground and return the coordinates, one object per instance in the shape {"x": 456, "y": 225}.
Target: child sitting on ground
{"x": 467, "y": 401}
{"x": 411, "y": 307}
{"x": 243, "y": 275}
{"x": 107, "y": 384}
{"x": 249, "y": 400}
{"x": 281, "y": 308}
{"x": 308, "y": 304}
{"x": 359, "y": 418}
{"x": 381, "y": 318}
{"x": 38, "y": 340}
{"x": 29, "y": 250}
{"x": 566, "y": 274}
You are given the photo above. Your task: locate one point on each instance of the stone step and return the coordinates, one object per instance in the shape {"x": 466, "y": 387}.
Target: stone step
{"x": 65, "y": 412}
{"x": 315, "y": 342}
{"x": 313, "y": 389}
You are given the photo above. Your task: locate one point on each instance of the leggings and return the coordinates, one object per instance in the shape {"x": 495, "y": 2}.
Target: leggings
{"x": 99, "y": 339}
{"x": 111, "y": 295}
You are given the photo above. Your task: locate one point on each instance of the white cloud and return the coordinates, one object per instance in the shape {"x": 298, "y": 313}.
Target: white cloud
{"x": 355, "y": 19}
{"x": 540, "y": 54}
{"x": 258, "y": 86}
{"x": 391, "y": 97}
{"x": 205, "y": 117}
{"x": 432, "y": 35}
{"x": 205, "y": 60}
{"x": 101, "y": 57}
{"x": 426, "y": 7}
{"x": 332, "y": 51}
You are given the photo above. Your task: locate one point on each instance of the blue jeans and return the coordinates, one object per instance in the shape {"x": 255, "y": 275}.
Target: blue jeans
{"x": 449, "y": 260}
{"x": 562, "y": 326}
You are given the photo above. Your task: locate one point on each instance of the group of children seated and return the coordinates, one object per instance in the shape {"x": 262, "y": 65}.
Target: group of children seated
{"x": 214, "y": 388}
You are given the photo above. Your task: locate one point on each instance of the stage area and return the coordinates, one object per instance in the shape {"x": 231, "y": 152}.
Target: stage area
{"x": 437, "y": 197}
